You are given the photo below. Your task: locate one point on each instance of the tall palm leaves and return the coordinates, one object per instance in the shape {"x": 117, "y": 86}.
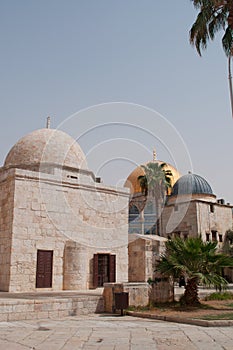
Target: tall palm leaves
{"x": 156, "y": 179}
{"x": 198, "y": 261}
{"x": 155, "y": 183}
{"x": 213, "y": 16}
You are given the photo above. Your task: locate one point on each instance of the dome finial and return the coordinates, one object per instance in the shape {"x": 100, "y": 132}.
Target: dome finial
{"x": 48, "y": 122}
{"x": 154, "y": 154}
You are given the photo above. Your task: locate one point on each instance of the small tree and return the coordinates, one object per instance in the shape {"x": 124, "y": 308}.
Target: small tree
{"x": 198, "y": 261}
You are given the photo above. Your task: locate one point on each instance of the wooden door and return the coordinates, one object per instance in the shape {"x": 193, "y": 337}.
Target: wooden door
{"x": 44, "y": 270}
{"x": 104, "y": 269}
{"x": 112, "y": 268}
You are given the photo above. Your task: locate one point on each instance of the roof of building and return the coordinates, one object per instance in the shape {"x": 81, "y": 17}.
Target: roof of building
{"x": 191, "y": 184}
{"x": 46, "y": 146}
{"x": 133, "y": 236}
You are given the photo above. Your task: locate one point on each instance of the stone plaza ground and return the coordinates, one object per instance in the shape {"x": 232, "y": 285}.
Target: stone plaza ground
{"x": 111, "y": 332}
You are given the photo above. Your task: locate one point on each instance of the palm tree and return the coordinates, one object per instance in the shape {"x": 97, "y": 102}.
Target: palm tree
{"x": 214, "y": 15}
{"x": 198, "y": 261}
{"x": 155, "y": 183}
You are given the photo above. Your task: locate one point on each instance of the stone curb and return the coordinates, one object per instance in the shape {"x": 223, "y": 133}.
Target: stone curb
{"x": 195, "y": 322}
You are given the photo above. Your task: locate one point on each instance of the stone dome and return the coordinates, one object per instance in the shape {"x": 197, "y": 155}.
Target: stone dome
{"x": 132, "y": 181}
{"x": 191, "y": 184}
{"x": 45, "y": 146}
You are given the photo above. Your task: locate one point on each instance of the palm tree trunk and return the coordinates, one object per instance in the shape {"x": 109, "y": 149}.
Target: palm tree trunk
{"x": 230, "y": 83}
{"x": 157, "y": 217}
{"x": 190, "y": 296}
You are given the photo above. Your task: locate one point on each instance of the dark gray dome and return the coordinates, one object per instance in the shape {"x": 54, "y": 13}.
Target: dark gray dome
{"x": 191, "y": 184}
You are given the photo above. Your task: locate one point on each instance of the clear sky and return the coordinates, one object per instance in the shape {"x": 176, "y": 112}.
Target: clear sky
{"x": 59, "y": 57}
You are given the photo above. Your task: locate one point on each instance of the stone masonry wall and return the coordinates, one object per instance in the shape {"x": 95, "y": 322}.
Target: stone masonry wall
{"x": 137, "y": 261}
{"x": 6, "y": 218}
{"x": 48, "y": 213}
{"x": 197, "y": 218}
{"x": 219, "y": 220}
{"x": 183, "y": 219}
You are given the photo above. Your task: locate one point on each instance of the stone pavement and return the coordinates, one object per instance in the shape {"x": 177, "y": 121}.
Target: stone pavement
{"x": 111, "y": 332}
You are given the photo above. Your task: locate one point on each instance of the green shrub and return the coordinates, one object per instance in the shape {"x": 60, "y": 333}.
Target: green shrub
{"x": 219, "y": 296}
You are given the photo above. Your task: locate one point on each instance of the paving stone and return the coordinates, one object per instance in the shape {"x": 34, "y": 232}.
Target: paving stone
{"x": 94, "y": 332}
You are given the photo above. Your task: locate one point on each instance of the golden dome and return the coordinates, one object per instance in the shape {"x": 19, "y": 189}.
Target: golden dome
{"x": 132, "y": 181}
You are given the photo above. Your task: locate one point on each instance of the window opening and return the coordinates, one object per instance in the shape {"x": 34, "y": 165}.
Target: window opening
{"x": 211, "y": 208}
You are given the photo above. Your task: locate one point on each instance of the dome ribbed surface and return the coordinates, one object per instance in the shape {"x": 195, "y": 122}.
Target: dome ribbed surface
{"x": 46, "y": 146}
{"x": 191, "y": 184}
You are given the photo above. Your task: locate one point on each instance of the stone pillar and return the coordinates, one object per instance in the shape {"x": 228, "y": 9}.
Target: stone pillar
{"x": 75, "y": 267}
{"x": 109, "y": 290}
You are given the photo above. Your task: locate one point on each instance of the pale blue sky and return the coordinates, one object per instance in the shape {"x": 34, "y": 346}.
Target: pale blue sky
{"x": 59, "y": 57}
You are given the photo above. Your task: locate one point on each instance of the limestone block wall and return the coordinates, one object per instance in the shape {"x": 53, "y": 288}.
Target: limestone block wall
{"x": 137, "y": 266}
{"x": 75, "y": 261}
{"x": 198, "y": 217}
{"x": 6, "y": 218}
{"x": 161, "y": 292}
{"x": 181, "y": 217}
{"x": 78, "y": 265}
{"x": 153, "y": 249}
{"x": 219, "y": 220}
{"x": 144, "y": 253}
{"x": 53, "y": 307}
{"x": 49, "y": 212}
{"x": 138, "y": 294}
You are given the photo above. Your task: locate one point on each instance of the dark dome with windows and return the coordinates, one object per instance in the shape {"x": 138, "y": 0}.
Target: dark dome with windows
{"x": 191, "y": 184}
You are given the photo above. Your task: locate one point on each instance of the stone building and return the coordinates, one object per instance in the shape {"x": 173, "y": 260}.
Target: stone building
{"x": 60, "y": 228}
{"x": 192, "y": 209}
{"x": 145, "y": 246}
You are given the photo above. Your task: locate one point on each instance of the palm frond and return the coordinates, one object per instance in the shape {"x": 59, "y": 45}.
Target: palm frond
{"x": 196, "y": 259}
{"x": 213, "y": 16}
{"x": 217, "y": 22}
{"x": 227, "y": 41}
{"x": 198, "y": 34}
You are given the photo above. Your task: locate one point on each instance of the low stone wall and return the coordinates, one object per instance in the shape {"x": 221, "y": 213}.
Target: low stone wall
{"x": 161, "y": 292}
{"x": 26, "y": 309}
{"x": 138, "y": 294}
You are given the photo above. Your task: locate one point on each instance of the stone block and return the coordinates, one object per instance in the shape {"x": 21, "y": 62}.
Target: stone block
{"x": 53, "y": 314}
{"x": 42, "y": 314}
{"x": 3, "y": 317}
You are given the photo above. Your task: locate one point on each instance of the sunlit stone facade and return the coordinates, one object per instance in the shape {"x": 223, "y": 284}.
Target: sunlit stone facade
{"x": 59, "y": 227}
